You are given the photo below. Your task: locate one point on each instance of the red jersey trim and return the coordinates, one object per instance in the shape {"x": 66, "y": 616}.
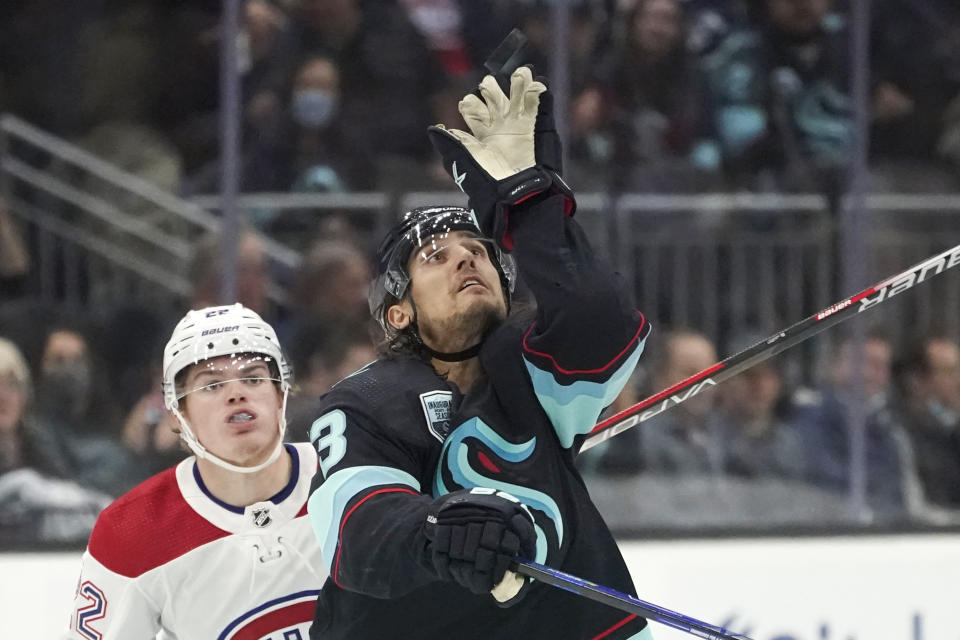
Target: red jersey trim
{"x": 614, "y": 627}
{"x": 336, "y": 563}
{"x": 556, "y": 365}
{"x": 148, "y": 527}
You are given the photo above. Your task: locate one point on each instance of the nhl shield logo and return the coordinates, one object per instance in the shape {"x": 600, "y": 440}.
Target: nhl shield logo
{"x": 436, "y": 409}
{"x": 261, "y": 517}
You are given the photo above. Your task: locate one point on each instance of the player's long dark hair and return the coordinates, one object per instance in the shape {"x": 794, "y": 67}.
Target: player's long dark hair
{"x": 402, "y": 343}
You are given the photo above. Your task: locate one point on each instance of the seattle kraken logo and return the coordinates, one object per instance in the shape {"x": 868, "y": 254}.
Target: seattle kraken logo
{"x": 456, "y": 459}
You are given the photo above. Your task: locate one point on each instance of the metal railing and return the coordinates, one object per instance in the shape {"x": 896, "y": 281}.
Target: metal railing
{"x": 725, "y": 264}
{"x": 728, "y": 265}
{"x": 103, "y": 233}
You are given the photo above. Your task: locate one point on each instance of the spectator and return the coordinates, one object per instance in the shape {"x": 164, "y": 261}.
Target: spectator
{"x": 325, "y": 354}
{"x": 332, "y": 284}
{"x": 711, "y": 21}
{"x": 150, "y": 432}
{"x": 911, "y": 93}
{"x": 641, "y": 112}
{"x": 34, "y": 508}
{"x": 684, "y": 440}
{"x": 136, "y": 332}
{"x": 388, "y": 98}
{"x": 822, "y": 416}
{"x": 930, "y": 375}
{"x": 312, "y": 149}
{"x": 76, "y": 421}
{"x": 185, "y": 107}
{"x": 189, "y": 108}
{"x": 777, "y": 98}
{"x": 262, "y": 27}
{"x": 441, "y": 24}
{"x": 252, "y": 278}
{"x": 15, "y": 390}
{"x": 14, "y": 257}
{"x": 759, "y": 441}
{"x": 586, "y": 34}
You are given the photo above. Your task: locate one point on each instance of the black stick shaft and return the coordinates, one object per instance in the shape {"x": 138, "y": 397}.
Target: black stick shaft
{"x": 743, "y": 360}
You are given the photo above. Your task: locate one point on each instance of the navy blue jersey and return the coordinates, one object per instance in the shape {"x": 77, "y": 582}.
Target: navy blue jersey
{"x": 395, "y": 435}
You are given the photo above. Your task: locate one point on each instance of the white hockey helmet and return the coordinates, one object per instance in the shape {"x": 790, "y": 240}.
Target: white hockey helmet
{"x": 218, "y": 331}
{"x": 212, "y": 332}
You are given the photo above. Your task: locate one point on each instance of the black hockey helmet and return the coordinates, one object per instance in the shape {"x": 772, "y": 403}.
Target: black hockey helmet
{"x": 417, "y": 227}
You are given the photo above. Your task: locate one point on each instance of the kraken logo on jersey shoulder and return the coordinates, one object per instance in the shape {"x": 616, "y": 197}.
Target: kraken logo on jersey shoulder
{"x": 436, "y": 409}
{"x": 261, "y": 517}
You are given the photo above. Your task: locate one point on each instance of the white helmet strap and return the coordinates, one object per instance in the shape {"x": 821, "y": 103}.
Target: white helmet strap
{"x": 186, "y": 433}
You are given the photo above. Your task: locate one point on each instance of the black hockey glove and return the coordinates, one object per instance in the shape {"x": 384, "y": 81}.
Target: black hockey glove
{"x": 512, "y": 155}
{"x": 474, "y": 537}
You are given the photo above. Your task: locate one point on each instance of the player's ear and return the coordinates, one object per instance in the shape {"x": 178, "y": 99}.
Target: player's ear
{"x": 400, "y": 315}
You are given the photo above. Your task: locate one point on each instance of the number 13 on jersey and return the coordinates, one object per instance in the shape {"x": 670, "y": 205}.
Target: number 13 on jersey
{"x": 327, "y": 435}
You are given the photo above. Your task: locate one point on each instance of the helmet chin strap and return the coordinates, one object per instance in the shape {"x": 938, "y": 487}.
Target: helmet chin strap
{"x": 186, "y": 433}
{"x": 458, "y": 356}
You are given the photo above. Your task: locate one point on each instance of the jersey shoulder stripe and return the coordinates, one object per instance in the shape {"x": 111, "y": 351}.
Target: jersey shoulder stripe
{"x": 148, "y": 527}
{"x": 639, "y": 337}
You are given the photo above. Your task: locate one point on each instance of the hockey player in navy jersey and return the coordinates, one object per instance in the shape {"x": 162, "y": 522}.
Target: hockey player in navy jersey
{"x": 219, "y": 546}
{"x": 452, "y": 455}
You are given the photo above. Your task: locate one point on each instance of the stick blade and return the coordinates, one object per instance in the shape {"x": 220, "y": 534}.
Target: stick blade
{"x": 506, "y": 57}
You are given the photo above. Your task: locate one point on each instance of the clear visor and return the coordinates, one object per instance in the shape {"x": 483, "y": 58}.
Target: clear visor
{"x": 433, "y": 250}
{"x": 210, "y": 377}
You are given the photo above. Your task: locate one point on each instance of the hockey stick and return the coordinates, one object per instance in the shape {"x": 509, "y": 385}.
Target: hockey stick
{"x": 743, "y": 360}
{"x": 624, "y": 602}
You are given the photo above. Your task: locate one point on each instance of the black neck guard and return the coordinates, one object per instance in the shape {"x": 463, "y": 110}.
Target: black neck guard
{"x": 459, "y": 356}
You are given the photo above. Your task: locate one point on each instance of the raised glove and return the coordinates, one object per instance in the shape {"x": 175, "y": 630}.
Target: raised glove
{"x": 510, "y": 156}
{"x": 506, "y": 124}
{"x": 521, "y": 127}
{"x": 474, "y": 537}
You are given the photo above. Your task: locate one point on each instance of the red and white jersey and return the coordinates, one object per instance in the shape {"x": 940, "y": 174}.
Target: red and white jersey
{"x": 169, "y": 560}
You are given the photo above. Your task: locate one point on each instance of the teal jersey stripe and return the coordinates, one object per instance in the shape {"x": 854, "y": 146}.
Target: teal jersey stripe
{"x": 646, "y": 634}
{"x": 327, "y": 504}
{"x": 573, "y": 409}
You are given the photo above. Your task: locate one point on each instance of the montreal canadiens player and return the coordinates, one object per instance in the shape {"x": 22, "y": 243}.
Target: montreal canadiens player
{"x": 217, "y": 547}
{"x": 453, "y": 454}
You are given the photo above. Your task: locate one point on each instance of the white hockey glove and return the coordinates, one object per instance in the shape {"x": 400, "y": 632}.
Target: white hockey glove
{"x": 514, "y": 157}
{"x": 506, "y": 124}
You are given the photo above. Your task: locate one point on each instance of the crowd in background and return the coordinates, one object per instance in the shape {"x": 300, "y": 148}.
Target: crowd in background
{"x": 666, "y": 96}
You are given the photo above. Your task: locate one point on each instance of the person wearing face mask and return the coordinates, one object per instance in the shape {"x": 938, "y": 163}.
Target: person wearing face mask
{"x": 76, "y": 427}
{"x": 34, "y": 507}
{"x": 66, "y": 375}
{"x": 312, "y": 150}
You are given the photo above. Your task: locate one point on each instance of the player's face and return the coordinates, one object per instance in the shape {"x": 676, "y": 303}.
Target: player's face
{"x": 456, "y": 290}
{"x": 233, "y": 406}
